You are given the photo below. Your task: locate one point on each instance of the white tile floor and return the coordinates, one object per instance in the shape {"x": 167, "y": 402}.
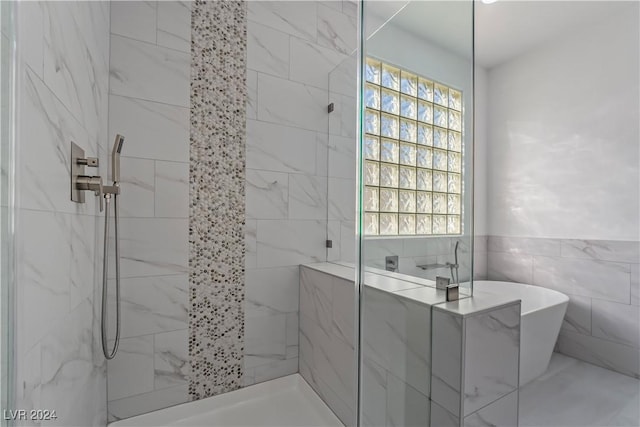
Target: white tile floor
{"x": 575, "y": 393}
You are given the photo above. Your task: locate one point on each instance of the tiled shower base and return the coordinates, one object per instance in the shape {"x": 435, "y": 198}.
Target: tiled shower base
{"x": 287, "y": 401}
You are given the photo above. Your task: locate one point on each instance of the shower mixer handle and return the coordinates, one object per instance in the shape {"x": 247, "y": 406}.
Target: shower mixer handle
{"x": 91, "y": 183}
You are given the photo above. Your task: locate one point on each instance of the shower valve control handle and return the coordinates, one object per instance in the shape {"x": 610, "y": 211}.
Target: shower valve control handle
{"x": 92, "y": 183}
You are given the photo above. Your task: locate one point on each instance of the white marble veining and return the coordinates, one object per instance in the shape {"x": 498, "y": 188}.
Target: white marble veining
{"x": 316, "y": 298}
{"x": 251, "y": 244}
{"x": 343, "y": 78}
{"x": 348, "y": 241}
{"x": 30, "y": 26}
{"x": 153, "y": 130}
{"x": 374, "y": 402}
{"x": 510, "y": 267}
{"x": 171, "y": 189}
{"x": 350, "y": 7}
{"x": 62, "y": 85}
{"x": 147, "y": 402}
{"x": 275, "y": 369}
{"x": 406, "y": 406}
{"x": 530, "y": 246}
{"x": 503, "y": 412}
{"x": 153, "y": 246}
{"x": 252, "y": 94}
{"x": 297, "y": 18}
{"x": 635, "y": 284}
{"x": 83, "y": 255}
{"x": 28, "y": 396}
{"x": 311, "y": 63}
{"x": 578, "y": 315}
{"x": 291, "y": 104}
{"x": 604, "y": 250}
{"x": 48, "y": 126}
{"x": 280, "y": 148}
{"x": 174, "y": 25}
{"x": 616, "y": 322}
{"x": 342, "y": 204}
{"x": 327, "y": 357}
{"x": 290, "y": 242}
{"x": 336, "y": 30}
{"x": 265, "y": 337}
{"x": 409, "y": 350}
{"x": 343, "y": 310}
{"x": 617, "y": 357}
{"x": 150, "y": 45}
{"x": 446, "y": 379}
{"x": 43, "y": 273}
{"x": 149, "y": 72}
{"x": 342, "y": 158}
{"x": 153, "y": 304}
{"x": 171, "y": 358}
{"x": 575, "y": 393}
{"x": 137, "y": 184}
{"x": 584, "y": 277}
{"x": 69, "y": 375}
{"x": 267, "y": 194}
{"x": 267, "y": 50}
{"x": 307, "y": 197}
{"x": 135, "y": 19}
{"x": 492, "y": 350}
{"x": 443, "y": 418}
{"x": 599, "y": 276}
{"x": 132, "y": 371}
{"x": 76, "y": 57}
{"x": 273, "y": 290}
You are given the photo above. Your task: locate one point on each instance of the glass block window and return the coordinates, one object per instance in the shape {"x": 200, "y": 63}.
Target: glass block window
{"x": 412, "y": 154}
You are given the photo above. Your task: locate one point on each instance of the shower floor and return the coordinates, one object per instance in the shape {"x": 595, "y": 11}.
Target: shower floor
{"x": 287, "y": 401}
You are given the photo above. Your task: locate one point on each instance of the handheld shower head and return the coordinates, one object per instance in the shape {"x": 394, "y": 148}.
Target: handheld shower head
{"x": 115, "y": 158}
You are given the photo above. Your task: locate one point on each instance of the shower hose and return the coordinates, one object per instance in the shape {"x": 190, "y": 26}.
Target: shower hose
{"x": 105, "y": 267}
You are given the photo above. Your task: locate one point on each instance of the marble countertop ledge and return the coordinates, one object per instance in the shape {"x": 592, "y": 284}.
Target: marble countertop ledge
{"x": 419, "y": 290}
{"x": 480, "y": 303}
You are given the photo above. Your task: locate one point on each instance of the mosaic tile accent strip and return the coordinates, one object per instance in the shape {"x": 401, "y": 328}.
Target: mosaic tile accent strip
{"x": 217, "y": 196}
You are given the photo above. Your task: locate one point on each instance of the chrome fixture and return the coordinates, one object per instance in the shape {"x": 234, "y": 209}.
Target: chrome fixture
{"x": 391, "y": 263}
{"x": 432, "y": 266}
{"x": 442, "y": 282}
{"x": 81, "y": 183}
{"x": 453, "y": 293}
{"x": 455, "y": 265}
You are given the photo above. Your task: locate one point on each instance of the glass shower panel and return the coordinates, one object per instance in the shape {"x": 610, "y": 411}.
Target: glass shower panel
{"x": 417, "y": 140}
{"x": 7, "y": 58}
{"x": 416, "y": 217}
{"x": 341, "y": 161}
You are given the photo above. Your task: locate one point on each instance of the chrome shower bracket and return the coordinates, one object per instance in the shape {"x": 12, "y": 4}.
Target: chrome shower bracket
{"x": 79, "y": 181}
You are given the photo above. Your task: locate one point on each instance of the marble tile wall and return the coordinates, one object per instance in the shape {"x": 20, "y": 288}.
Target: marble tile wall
{"x": 292, "y": 46}
{"x": 475, "y": 370}
{"x": 396, "y": 360}
{"x": 149, "y": 105}
{"x": 327, "y": 356}
{"x": 62, "y": 97}
{"x": 395, "y": 372}
{"x": 416, "y": 251}
{"x": 554, "y": 219}
{"x": 602, "y": 323}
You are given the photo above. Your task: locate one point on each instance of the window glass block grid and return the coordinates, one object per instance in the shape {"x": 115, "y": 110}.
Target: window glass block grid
{"x": 412, "y": 153}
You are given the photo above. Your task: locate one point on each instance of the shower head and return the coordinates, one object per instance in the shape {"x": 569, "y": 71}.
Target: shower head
{"x": 115, "y": 158}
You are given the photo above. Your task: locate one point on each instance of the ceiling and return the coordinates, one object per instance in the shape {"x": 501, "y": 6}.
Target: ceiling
{"x": 503, "y": 30}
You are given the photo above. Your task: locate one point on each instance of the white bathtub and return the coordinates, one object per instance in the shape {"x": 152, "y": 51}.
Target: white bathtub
{"x": 542, "y": 311}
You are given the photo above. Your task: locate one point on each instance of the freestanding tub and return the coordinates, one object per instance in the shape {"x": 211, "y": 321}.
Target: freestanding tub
{"x": 542, "y": 311}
